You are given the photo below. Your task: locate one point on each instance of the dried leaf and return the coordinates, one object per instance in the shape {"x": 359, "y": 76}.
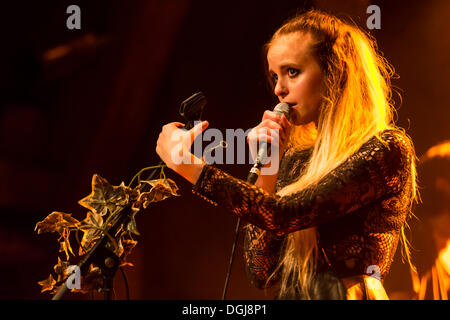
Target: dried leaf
{"x": 90, "y": 237}
{"x": 128, "y": 245}
{"x": 64, "y": 246}
{"x": 131, "y": 194}
{"x": 56, "y": 222}
{"x": 132, "y": 226}
{"x": 93, "y": 219}
{"x": 47, "y": 284}
{"x": 104, "y": 196}
{"x": 126, "y": 264}
{"x": 119, "y": 250}
{"x": 161, "y": 190}
{"x": 61, "y": 269}
{"x": 90, "y": 231}
{"x": 91, "y": 281}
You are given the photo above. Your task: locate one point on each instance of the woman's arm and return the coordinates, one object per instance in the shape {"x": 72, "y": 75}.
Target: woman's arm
{"x": 372, "y": 172}
{"x": 262, "y": 248}
{"x": 261, "y": 254}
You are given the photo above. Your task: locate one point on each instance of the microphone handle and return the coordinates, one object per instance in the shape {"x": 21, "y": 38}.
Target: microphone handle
{"x": 261, "y": 158}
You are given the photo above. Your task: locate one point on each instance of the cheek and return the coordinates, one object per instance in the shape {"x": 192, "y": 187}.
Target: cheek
{"x": 309, "y": 94}
{"x": 314, "y": 87}
{"x": 308, "y": 87}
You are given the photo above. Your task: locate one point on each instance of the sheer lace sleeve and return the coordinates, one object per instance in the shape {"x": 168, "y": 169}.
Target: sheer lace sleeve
{"x": 261, "y": 254}
{"x": 375, "y": 170}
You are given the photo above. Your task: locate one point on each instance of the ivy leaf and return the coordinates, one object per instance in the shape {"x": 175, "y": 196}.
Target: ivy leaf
{"x": 104, "y": 196}
{"x": 91, "y": 281}
{"x": 119, "y": 250}
{"x": 47, "y": 284}
{"x": 131, "y": 194}
{"x": 128, "y": 245}
{"x": 61, "y": 269}
{"x": 64, "y": 246}
{"x": 126, "y": 264}
{"x": 103, "y": 199}
{"x": 161, "y": 190}
{"x": 90, "y": 230}
{"x": 56, "y": 222}
{"x": 93, "y": 219}
{"x": 132, "y": 226}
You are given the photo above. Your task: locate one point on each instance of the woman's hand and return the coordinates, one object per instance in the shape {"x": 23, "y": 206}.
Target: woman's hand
{"x": 280, "y": 129}
{"x": 273, "y": 129}
{"x": 173, "y": 147}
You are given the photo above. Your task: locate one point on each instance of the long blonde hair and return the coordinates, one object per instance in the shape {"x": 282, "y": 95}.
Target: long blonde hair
{"x": 356, "y": 105}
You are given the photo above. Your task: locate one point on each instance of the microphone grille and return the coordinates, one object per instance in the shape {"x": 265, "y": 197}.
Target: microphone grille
{"x": 283, "y": 108}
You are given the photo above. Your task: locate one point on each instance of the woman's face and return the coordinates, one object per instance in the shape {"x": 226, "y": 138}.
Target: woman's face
{"x": 296, "y": 76}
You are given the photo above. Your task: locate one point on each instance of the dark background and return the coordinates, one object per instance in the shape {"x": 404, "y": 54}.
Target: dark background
{"x": 78, "y": 102}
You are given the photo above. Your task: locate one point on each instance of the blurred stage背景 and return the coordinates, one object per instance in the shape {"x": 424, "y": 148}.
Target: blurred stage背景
{"x": 92, "y": 100}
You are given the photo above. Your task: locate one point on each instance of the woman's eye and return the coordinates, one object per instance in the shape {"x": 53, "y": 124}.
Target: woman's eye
{"x": 274, "y": 78}
{"x": 292, "y": 72}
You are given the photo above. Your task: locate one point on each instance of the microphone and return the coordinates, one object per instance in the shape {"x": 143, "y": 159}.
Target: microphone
{"x": 261, "y": 159}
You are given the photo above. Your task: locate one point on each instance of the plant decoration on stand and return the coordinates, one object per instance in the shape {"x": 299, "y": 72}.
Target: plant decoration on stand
{"x": 109, "y": 228}
{"x": 104, "y": 204}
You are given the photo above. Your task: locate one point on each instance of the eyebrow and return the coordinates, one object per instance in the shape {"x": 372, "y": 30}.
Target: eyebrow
{"x": 286, "y": 66}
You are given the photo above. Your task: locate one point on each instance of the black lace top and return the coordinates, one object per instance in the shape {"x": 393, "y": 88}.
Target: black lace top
{"x": 358, "y": 208}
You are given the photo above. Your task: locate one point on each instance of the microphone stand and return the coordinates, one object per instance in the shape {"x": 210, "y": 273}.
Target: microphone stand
{"x": 108, "y": 262}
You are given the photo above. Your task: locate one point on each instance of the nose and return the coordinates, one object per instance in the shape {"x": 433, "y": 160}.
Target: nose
{"x": 281, "y": 90}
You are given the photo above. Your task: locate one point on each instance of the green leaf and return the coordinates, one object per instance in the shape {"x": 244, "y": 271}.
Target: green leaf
{"x": 104, "y": 196}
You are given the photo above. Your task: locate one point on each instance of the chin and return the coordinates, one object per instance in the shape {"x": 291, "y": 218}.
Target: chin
{"x": 299, "y": 120}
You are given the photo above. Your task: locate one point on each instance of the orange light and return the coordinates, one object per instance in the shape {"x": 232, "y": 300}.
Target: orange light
{"x": 444, "y": 257}
{"x": 440, "y": 150}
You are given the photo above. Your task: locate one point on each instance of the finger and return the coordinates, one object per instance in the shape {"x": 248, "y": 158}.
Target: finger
{"x": 255, "y": 138}
{"x": 270, "y": 124}
{"x": 276, "y": 133}
{"x": 173, "y": 124}
{"x": 178, "y": 124}
{"x": 262, "y": 134}
{"x": 268, "y": 114}
{"x": 270, "y": 136}
{"x": 262, "y": 131}
{"x": 198, "y": 129}
{"x": 281, "y": 123}
{"x": 285, "y": 122}
{"x": 263, "y": 138}
{"x": 286, "y": 125}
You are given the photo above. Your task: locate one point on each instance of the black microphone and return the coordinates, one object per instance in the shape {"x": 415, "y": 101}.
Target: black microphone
{"x": 261, "y": 159}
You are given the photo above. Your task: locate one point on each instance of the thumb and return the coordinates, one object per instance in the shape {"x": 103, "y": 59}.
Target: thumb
{"x": 198, "y": 129}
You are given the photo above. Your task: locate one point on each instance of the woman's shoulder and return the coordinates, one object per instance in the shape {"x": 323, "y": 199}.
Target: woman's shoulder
{"x": 392, "y": 145}
{"x": 389, "y": 139}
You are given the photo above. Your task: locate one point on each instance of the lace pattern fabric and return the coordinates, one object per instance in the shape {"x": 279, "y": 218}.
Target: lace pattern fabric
{"x": 358, "y": 208}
